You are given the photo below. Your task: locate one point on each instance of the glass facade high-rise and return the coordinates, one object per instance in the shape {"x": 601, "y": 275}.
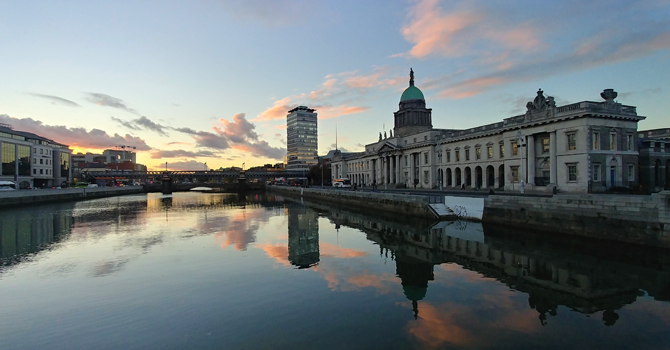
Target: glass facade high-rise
{"x": 301, "y": 138}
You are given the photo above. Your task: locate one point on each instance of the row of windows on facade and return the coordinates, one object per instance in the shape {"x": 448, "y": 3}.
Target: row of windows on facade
{"x": 37, "y": 142}
{"x": 571, "y": 173}
{"x": 571, "y": 146}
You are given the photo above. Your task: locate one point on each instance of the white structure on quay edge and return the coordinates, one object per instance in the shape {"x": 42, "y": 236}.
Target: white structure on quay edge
{"x": 580, "y": 147}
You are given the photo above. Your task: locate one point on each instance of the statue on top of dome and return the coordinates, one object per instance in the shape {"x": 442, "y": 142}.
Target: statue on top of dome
{"x": 411, "y": 77}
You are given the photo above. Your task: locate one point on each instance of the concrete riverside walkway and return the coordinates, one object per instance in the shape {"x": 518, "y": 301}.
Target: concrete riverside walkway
{"x": 28, "y": 197}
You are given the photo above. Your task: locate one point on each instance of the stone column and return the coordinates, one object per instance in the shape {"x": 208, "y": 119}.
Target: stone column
{"x": 388, "y": 169}
{"x": 397, "y": 168}
{"x": 530, "y": 145}
{"x": 552, "y": 158}
{"x": 411, "y": 169}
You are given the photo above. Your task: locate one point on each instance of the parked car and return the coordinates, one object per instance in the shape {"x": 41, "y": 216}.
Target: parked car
{"x": 7, "y": 186}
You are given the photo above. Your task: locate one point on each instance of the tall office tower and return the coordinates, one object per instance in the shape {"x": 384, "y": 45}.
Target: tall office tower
{"x": 301, "y": 138}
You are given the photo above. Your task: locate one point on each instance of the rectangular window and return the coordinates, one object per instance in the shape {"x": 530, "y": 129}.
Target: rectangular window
{"x": 34, "y": 161}
{"x": 41, "y": 151}
{"x": 448, "y": 156}
{"x": 515, "y": 148}
{"x": 631, "y": 172}
{"x": 545, "y": 145}
{"x": 41, "y": 161}
{"x": 613, "y": 141}
{"x": 596, "y": 140}
{"x": 489, "y": 151}
{"x": 572, "y": 142}
{"x": 406, "y": 163}
{"x": 458, "y": 156}
{"x": 572, "y": 172}
{"x": 596, "y": 172}
{"x": 425, "y": 158}
{"x": 502, "y": 150}
{"x": 629, "y": 143}
{"x": 41, "y": 171}
{"x": 34, "y": 150}
{"x": 478, "y": 152}
{"x": 439, "y": 157}
{"x": 515, "y": 173}
{"x": 34, "y": 171}
{"x": 467, "y": 154}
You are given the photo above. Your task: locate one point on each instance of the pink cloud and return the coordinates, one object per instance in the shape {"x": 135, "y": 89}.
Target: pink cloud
{"x": 94, "y": 139}
{"x": 457, "y": 33}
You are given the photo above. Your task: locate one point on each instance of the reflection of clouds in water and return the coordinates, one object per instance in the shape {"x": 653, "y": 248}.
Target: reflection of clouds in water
{"x": 334, "y": 251}
{"x": 111, "y": 266}
{"x": 350, "y": 279}
{"x": 238, "y": 229}
{"x": 279, "y": 252}
{"x": 490, "y": 306}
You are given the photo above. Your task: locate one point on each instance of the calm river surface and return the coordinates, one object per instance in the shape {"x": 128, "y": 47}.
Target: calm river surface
{"x": 216, "y": 271}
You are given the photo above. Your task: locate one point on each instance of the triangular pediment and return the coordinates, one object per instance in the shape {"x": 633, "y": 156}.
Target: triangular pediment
{"x": 387, "y": 147}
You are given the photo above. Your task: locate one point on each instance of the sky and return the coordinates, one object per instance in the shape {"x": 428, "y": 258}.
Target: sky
{"x": 208, "y": 83}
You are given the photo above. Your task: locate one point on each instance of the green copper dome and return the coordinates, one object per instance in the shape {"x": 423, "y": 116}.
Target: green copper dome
{"x": 412, "y": 93}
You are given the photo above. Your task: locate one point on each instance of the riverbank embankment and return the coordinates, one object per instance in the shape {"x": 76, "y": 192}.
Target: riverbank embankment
{"x": 29, "y": 197}
{"x": 394, "y": 203}
{"x": 642, "y": 220}
{"x": 634, "y": 219}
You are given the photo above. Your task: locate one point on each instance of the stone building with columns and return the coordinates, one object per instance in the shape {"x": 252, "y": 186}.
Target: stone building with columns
{"x": 580, "y": 147}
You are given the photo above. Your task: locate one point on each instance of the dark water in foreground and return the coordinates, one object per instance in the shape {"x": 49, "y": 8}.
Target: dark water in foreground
{"x": 207, "y": 271}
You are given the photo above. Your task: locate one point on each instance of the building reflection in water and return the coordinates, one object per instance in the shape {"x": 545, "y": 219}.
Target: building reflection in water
{"x": 25, "y": 232}
{"x": 550, "y": 271}
{"x": 303, "y": 237}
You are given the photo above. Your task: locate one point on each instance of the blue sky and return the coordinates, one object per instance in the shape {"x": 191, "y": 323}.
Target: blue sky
{"x": 190, "y": 82}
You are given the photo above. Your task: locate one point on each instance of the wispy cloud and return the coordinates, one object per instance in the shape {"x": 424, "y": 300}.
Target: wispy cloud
{"x": 56, "y": 100}
{"x": 238, "y": 134}
{"x": 503, "y": 45}
{"x": 109, "y": 101}
{"x": 75, "y": 137}
{"x": 142, "y": 123}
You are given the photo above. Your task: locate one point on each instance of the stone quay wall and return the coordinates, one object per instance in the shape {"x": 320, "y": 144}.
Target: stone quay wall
{"x": 643, "y": 220}
{"x": 384, "y": 202}
{"x": 29, "y": 197}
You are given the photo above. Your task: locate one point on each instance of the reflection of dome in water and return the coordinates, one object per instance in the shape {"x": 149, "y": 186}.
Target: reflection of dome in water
{"x": 414, "y": 293}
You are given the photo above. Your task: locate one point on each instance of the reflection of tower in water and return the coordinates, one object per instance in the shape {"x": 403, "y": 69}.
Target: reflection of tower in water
{"x": 303, "y": 237}
{"x": 414, "y": 276}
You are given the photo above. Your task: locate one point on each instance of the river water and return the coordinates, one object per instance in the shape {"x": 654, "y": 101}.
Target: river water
{"x": 216, "y": 271}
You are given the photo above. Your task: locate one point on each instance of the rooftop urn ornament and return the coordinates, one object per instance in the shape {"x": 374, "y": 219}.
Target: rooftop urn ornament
{"x": 391, "y": 133}
{"x": 384, "y": 135}
{"x": 609, "y": 95}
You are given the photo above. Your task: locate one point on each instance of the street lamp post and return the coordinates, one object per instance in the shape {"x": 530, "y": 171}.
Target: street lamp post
{"x": 522, "y": 144}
